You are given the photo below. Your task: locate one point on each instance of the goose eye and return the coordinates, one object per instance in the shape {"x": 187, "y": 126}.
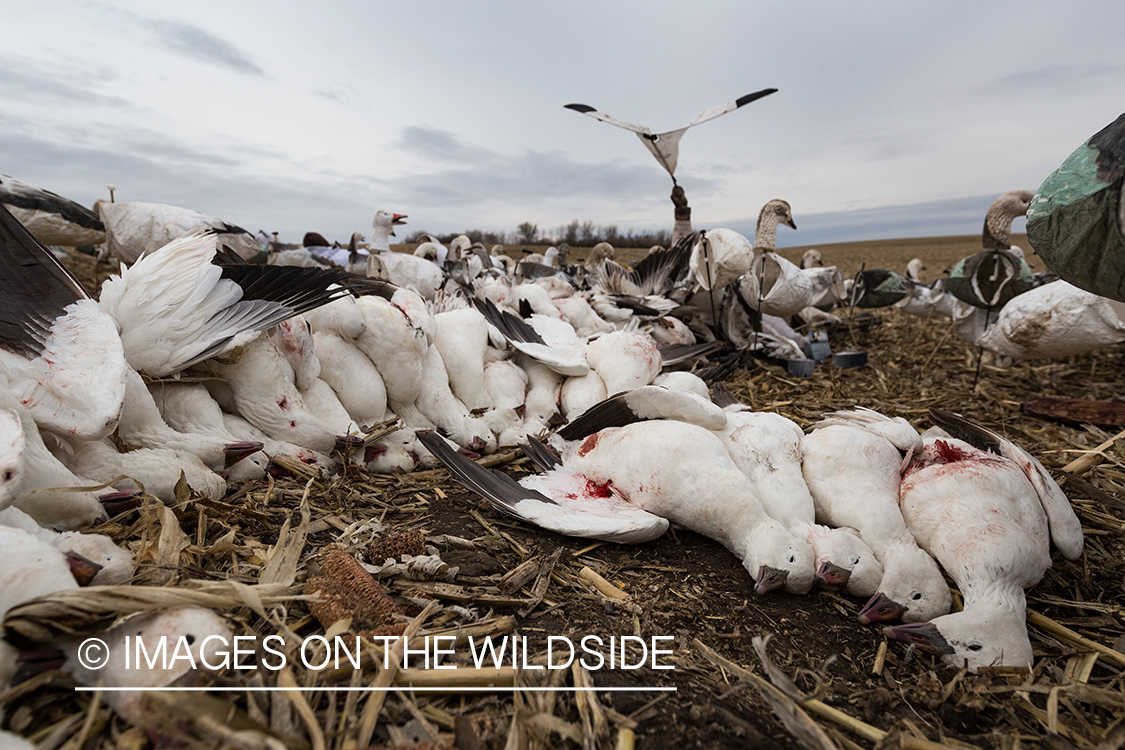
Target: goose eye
{"x": 916, "y": 596}
{"x": 8, "y": 475}
{"x": 975, "y": 647}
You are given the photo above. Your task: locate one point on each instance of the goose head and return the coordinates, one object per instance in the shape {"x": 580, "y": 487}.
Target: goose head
{"x": 779, "y": 560}
{"x": 11, "y": 455}
{"x": 912, "y": 588}
{"x": 980, "y": 636}
{"x": 846, "y": 561}
{"x": 1004, "y": 210}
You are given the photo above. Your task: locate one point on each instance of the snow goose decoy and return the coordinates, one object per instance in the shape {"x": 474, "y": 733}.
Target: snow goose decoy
{"x": 60, "y": 353}
{"x": 1076, "y": 222}
{"x": 190, "y": 301}
{"x": 51, "y": 219}
{"x": 993, "y": 277}
{"x": 666, "y": 146}
{"x": 625, "y": 484}
{"x": 852, "y": 463}
{"x": 134, "y": 229}
{"x": 402, "y": 269}
{"x": 1052, "y": 321}
{"x": 985, "y": 515}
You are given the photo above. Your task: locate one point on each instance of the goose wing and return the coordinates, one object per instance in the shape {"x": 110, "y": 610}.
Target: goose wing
{"x": 608, "y": 519}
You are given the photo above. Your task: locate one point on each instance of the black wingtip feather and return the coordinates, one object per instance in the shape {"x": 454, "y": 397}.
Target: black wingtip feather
{"x": 541, "y": 454}
{"x": 965, "y": 429}
{"x": 753, "y": 97}
{"x": 580, "y": 108}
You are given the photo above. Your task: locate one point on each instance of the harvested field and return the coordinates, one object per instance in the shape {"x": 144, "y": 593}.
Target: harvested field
{"x": 256, "y": 550}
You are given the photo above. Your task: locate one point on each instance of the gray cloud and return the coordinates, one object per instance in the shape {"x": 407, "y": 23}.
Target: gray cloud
{"x": 34, "y": 81}
{"x": 198, "y": 44}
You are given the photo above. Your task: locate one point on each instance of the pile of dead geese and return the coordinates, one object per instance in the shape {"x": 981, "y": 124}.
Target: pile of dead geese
{"x": 196, "y": 364}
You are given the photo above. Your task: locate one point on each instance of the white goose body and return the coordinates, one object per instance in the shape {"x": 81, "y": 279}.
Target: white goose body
{"x": 189, "y": 408}
{"x": 609, "y": 478}
{"x": 143, "y": 426}
{"x": 624, "y": 360}
{"x": 437, "y": 402}
{"x": 580, "y": 393}
{"x": 36, "y": 471}
{"x": 989, "y": 521}
{"x": 29, "y": 567}
{"x": 157, "y": 469}
{"x": 116, "y": 563}
{"x": 60, "y": 354}
{"x": 396, "y": 342}
{"x": 766, "y": 448}
{"x": 354, "y": 378}
{"x": 854, "y": 475}
{"x": 266, "y": 396}
{"x": 462, "y": 340}
{"x": 272, "y": 447}
{"x": 12, "y": 447}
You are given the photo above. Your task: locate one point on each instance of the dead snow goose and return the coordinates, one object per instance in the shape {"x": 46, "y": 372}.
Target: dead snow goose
{"x": 986, "y": 517}
{"x": 51, "y": 219}
{"x": 60, "y": 354}
{"x": 625, "y": 484}
{"x": 853, "y": 474}
{"x": 189, "y": 301}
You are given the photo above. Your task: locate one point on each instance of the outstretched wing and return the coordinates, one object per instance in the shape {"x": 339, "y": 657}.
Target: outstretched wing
{"x": 35, "y": 288}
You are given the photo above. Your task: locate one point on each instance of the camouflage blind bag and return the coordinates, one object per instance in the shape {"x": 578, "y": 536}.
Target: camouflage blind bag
{"x": 1076, "y": 222}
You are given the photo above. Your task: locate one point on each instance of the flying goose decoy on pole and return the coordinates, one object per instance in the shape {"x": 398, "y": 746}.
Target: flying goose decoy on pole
{"x": 666, "y": 148}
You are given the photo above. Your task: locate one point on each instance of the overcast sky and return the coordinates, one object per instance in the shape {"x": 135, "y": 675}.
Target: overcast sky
{"x": 892, "y": 118}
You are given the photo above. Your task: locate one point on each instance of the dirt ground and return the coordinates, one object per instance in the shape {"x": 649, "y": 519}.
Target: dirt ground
{"x": 681, "y": 586}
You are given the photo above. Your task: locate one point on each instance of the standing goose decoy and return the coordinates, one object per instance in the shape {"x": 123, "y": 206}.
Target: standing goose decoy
{"x": 986, "y": 516}
{"x": 401, "y": 269}
{"x": 60, "y": 353}
{"x": 993, "y": 277}
{"x": 51, "y": 219}
{"x": 625, "y": 484}
{"x": 192, "y": 300}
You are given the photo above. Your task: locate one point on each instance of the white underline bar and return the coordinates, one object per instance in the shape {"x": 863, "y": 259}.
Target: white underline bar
{"x": 350, "y": 689}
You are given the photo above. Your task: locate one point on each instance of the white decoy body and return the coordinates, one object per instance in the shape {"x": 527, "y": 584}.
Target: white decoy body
{"x": 402, "y": 269}
{"x": 1053, "y": 321}
{"x": 989, "y": 520}
{"x": 853, "y": 474}
{"x": 625, "y": 484}
{"x": 135, "y": 228}
{"x": 51, "y": 219}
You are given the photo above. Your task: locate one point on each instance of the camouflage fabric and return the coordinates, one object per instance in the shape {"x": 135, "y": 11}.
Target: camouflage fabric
{"x": 990, "y": 279}
{"x": 1075, "y": 221}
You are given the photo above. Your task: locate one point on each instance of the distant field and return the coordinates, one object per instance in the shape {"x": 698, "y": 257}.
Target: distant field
{"x": 938, "y": 253}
